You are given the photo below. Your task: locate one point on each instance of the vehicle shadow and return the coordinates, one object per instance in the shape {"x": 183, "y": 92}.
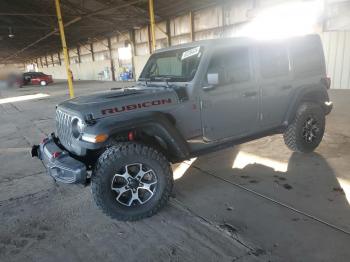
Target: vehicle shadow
{"x": 305, "y": 182}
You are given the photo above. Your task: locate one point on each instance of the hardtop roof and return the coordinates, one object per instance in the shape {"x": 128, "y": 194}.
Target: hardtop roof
{"x": 232, "y": 41}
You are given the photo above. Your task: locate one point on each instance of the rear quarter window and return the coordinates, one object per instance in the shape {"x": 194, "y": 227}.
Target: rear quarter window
{"x": 274, "y": 60}
{"x": 307, "y": 57}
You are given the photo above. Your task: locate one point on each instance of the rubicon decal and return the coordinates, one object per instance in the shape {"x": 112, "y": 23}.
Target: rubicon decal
{"x": 136, "y": 106}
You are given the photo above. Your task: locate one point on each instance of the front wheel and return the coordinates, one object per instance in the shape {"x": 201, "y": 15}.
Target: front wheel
{"x": 305, "y": 133}
{"x": 43, "y": 83}
{"x": 131, "y": 181}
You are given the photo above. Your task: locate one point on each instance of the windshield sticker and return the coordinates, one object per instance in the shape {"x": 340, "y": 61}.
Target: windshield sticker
{"x": 190, "y": 52}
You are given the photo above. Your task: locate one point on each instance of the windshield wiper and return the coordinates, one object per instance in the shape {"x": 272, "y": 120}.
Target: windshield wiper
{"x": 162, "y": 78}
{"x": 149, "y": 80}
{"x": 145, "y": 79}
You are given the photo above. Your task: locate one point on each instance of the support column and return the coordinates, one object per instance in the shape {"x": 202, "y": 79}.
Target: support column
{"x": 192, "y": 26}
{"x": 78, "y": 53}
{"x": 223, "y": 20}
{"x": 92, "y": 52}
{"x": 64, "y": 46}
{"x": 152, "y": 24}
{"x": 133, "y": 52}
{"x": 47, "y": 64}
{"x": 168, "y": 33}
{"x": 59, "y": 58}
{"x": 149, "y": 39}
{"x": 111, "y": 58}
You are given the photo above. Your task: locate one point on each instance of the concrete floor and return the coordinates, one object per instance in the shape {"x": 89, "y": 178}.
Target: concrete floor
{"x": 255, "y": 202}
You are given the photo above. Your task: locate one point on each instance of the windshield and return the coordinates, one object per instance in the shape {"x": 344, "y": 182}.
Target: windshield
{"x": 178, "y": 65}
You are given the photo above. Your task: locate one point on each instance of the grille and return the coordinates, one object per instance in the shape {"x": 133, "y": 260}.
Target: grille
{"x": 64, "y": 128}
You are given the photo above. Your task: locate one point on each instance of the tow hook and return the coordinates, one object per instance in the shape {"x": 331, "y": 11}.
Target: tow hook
{"x": 35, "y": 151}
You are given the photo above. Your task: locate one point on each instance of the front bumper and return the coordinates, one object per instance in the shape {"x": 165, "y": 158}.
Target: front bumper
{"x": 59, "y": 164}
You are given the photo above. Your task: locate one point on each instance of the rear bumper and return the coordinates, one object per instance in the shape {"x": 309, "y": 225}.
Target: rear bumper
{"x": 59, "y": 164}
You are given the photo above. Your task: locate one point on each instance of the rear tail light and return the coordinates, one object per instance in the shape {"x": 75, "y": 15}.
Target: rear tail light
{"x": 326, "y": 81}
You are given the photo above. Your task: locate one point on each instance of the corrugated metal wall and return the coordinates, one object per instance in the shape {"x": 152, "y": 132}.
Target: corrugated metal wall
{"x": 337, "y": 53}
{"x": 225, "y": 20}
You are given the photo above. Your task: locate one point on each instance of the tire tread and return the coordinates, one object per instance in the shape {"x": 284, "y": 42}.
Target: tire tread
{"x": 122, "y": 150}
{"x": 290, "y": 135}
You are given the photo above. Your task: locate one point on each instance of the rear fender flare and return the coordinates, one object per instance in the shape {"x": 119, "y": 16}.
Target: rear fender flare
{"x": 317, "y": 94}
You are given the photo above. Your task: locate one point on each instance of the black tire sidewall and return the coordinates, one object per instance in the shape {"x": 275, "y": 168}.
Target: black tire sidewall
{"x": 316, "y": 112}
{"x": 116, "y": 161}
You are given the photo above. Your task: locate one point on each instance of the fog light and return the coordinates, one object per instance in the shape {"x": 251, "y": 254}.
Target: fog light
{"x": 55, "y": 172}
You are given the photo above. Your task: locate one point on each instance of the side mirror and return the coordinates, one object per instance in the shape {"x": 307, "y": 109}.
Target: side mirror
{"x": 213, "y": 79}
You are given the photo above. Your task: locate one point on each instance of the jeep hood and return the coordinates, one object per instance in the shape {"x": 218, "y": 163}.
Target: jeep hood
{"x": 121, "y": 101}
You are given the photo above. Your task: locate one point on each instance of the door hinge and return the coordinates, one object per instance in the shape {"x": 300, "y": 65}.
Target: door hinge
{"x": 204, "y": 104}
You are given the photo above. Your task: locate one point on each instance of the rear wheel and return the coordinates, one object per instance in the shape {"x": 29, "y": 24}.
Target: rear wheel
{"x": 131, "y": 181}
{"x": 305, "y": 133}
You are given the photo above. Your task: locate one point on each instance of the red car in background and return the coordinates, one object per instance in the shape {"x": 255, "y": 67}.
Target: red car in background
{"x": 34, "y": 78}
{"x": 37, "y": 78}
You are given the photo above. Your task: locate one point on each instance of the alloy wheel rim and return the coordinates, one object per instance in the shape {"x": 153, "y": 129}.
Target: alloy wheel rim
{"x": 310, "y": 129}
{"x": 135, "y": 185}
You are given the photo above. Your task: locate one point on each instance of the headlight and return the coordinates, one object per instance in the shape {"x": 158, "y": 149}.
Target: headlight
{"x": 77, "y": 127}
{"x": 100, "y": 138}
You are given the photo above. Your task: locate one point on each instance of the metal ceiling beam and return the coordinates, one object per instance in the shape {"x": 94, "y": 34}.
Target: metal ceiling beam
{"x": 139, "y": 10}
{"x": 73, "y": 21}
{"x": 31, "y": 14}
{"x": 86, "y": 11}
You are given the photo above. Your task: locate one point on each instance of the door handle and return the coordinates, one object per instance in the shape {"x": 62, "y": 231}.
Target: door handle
{"x": 286, "y": 87}
{"x": 250, "y": 93}
{"x": 208, "y": 87}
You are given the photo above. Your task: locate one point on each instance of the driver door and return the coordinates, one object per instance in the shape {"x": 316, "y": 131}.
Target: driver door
{"x": 230, "y": 96}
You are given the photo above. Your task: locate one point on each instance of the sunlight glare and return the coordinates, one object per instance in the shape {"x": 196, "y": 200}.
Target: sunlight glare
{"x": 182, "y": 168}
{"x": 345, "y": 185}
{"x": 243, "y": 159}
{"x": 284, "y": 20}
{"x": 22, "y": 98}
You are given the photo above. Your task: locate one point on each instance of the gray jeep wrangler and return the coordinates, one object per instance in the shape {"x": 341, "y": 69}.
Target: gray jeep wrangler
{"x": 189, "y": 100}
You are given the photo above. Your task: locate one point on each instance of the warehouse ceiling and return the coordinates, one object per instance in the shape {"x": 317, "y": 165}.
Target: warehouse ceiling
{"x": 33, "y": 24}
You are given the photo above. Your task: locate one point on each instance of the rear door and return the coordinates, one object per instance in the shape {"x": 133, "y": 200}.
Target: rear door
{"x": 276, "y": 83}
{"x": 230, "y": 108}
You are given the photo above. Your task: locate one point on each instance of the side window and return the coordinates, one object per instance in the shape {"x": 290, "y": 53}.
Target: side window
{"x": 307, "y": 57}
{"x": 274, "y": 61}
{"x": 232, "y": 65}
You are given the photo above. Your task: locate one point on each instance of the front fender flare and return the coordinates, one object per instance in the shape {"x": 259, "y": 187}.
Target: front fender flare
{"x": 152, "y": 123}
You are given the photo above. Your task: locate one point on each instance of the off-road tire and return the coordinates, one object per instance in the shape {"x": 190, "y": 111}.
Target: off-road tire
{"x": 293, "y": 135}
{"x": 116, "y": 157}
